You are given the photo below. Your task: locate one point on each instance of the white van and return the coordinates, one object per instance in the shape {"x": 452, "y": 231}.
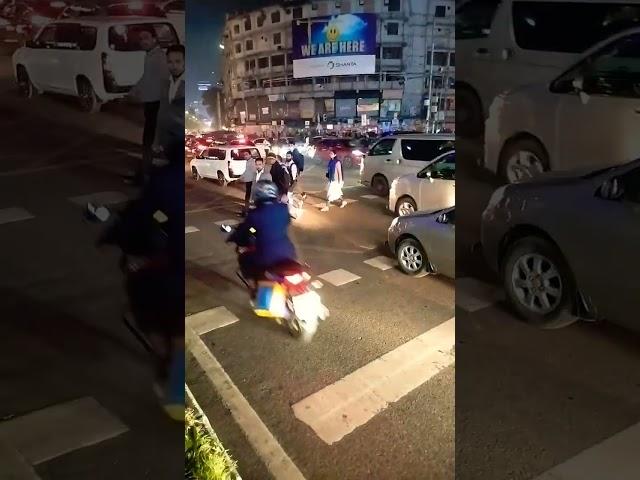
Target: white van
{"x": 222, "y": 163}
{"x": 504, "y": 44}
{"x": 397, "y": 155}
{"x": 97, "y": 59}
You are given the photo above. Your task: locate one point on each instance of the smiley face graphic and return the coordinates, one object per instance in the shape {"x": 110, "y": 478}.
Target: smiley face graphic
{"x": 333, "y": 33}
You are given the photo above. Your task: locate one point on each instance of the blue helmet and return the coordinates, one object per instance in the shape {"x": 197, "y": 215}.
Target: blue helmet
{"x": 265, "y": 191}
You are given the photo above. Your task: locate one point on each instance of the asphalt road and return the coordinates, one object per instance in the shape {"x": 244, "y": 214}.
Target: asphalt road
{"x": 62, "y": 299}
{"x": 413, "y": 437}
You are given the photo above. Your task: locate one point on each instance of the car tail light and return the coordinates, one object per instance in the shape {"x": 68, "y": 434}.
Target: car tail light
{"x": 297, "y": 278}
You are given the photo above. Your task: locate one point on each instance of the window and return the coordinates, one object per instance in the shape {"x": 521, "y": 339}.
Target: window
{"x": 126, "y": 38}
{"x": 247, "y": 24}
{"x": 277, "y": 61}
{"x": 473, "y": 19}
{"x": 260, "y": 20}
{"x": 439, "y": 59}
{"x": 631, "y": 186}
{"x": 392, "y": 28}
{"x": 236, "y": 29}
{"x": 297, "y": 12}
{"x": 277, "y": 38}
{"x": 392, "y": 53}
{"x": 441, "y": 11}
{"x": 248, "y": 45}
{"x": 238, "y": 48}
{"x": 542, "y": 26}
{"x": 275, "y": 16}
{"x": 443, "y": 169}
{"x": 238, "y": 154}
{"x": 612, "y": 71}
{"x": 394, "y": 6}
{"x": 383, "y": 147}
{"x": 47, "y": 37}
{"x": 424, "y": 150}
{"x": 252, "y": 64}
{"x": 216, "y": 154}
{"x": 452, "y": 59}
{"x": 263, "y": 62}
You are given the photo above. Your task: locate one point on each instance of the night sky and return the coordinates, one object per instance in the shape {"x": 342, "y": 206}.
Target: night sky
{"x": 205, "y": 23}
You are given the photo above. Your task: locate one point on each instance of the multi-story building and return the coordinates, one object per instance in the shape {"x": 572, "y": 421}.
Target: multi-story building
{"x": 412, "y": 84}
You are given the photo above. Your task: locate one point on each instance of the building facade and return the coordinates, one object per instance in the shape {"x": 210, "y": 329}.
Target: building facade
{"x": 412, "y": 86}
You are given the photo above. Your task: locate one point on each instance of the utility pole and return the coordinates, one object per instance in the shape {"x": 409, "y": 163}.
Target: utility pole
{"x": 433, "y": 47}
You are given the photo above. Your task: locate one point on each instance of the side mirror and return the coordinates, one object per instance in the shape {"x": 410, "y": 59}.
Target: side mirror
{"x": 612, "y": 189}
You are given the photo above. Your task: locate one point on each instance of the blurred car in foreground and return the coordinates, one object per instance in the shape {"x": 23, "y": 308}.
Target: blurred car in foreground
{"x": 425, "y": 242}
{"x": 588, "y": 117}
{"x": 432, "y": 188}
{"x": 566, "y": 246}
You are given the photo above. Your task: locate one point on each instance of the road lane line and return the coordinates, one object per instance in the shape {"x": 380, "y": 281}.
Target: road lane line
{"x": 14, "y": 214}
{"x": 212, "y": 319}
{"x": 54, "y": 431}
{"x": 473, "y": 295}
{"x": 339, "y": 277}
{"x": 616, "y": 458}
{"x": 337, "y": 410}
{"x": 381, "y": 262}
{"x": 14, "y": 466}
{"x": 100, "y": 198}
{"x": 191, "y": 229}
{"x": 261, "y": 439}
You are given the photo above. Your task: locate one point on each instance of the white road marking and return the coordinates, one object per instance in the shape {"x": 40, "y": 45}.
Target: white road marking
{"x": 381, "y": 262}
{"x": 54, "y": 431}
{"x": 340, "y": 408}
{"x": 14, "y": 466}
{"x": 14, "y": 214}
{"x": 259, "y": 436}
{"x": 339, "y": 277}
{"x": 370, "y": 197}
{"x": 230, "y": 222}
{"x": 191, "y": 229}
{"x": 473, "y": 295}
{"x": 212, "y": 319}
{"x": 614, "y": 459}
{"x": 100, "y": 198}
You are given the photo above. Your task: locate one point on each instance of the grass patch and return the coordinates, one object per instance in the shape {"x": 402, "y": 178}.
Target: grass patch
{"x": 205, "y": 456}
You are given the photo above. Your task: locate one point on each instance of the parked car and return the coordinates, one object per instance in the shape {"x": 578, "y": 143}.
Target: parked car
{"x": 394, "y": 156}
{"x": 589, "y": 116}
{"x": 425, "y": 242}
{"x": 432, "y": 188}
{"x": 524, "y": 42}
{"x": 222, "y": 163}
{"x": 92, "y": 58}
{"x": 566, "y": 245}
{"x": 262, "y": 141}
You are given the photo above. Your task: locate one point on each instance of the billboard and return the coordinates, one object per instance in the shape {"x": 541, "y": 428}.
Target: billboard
{"x": 334, "y": 45}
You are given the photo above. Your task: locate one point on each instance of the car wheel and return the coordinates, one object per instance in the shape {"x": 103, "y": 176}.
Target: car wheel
{"x": 222, "y": 181}
{"x": 89, "y": 101}
{"x": 406, "y": 206}
{"x": 539, "y": 283}
{"x": 380, "y": 185}
{"x": 521, "y": 159}
{"x": 195, "y": 174}
{"x": 411, "y": 257}
{"x": 25, "y": 86}
{"x": 469, "y": 113}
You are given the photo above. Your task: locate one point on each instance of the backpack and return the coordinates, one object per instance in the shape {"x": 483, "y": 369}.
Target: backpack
{"x": 298, "y": 158}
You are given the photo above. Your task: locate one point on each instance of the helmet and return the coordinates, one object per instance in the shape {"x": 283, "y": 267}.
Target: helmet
{"x": 265, "y": 191}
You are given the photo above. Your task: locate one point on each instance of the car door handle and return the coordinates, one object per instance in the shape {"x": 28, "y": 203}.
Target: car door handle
{"x": 388, "y": 160}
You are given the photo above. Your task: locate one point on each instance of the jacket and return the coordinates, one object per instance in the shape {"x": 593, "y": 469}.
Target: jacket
{"x": 156, "y": 71}
{"x": 271, "y": 240}
{"x": 299, "y": 159}
{"x": 170, "y": 126}
{"x": 265, "y": 176}
{"x": 281, "y": 177}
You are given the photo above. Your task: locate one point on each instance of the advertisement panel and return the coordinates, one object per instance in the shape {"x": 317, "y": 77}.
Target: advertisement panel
{"x": 334, "y": 45}
{"x": 345, "y": 107}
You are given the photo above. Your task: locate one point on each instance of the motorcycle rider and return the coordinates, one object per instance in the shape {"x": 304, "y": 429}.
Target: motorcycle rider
{"x": 264, "y": 233}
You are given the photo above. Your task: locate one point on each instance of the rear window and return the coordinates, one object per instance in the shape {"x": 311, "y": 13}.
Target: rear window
{"x": 126, "y": 38}
{"x": 216, "y": 153}
{"x": 570, "y": 27}
{"x": 238, "y": 154}
{"x": 424, "y": 150}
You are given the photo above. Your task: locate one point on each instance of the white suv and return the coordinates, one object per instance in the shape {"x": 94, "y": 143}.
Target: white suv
{"x": 97, "y": 59}
{"x": 223, "y": 163}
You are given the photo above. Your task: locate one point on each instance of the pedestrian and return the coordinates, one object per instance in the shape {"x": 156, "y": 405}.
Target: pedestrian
{"x": 294, "y": 173}
{"x": 247, "y": 177}
{"x": 260, "y": 173}
{"x": 148, "y": 91}
{"x": 282, "y": 178}
{"x": 335, "y": 177}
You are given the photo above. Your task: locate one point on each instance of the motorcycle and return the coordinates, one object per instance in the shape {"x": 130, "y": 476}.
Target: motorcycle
{"x": 285, "y": 294}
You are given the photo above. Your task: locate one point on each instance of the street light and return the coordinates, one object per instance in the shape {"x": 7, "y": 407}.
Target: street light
{"x": 221, "y": 46}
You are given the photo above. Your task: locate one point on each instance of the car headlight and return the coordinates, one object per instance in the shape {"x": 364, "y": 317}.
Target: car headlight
{"x": 357, "y": 152}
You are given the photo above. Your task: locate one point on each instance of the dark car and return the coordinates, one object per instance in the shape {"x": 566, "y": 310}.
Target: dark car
{"x": 566, "y": 245}
{"x": 346, "y": 150}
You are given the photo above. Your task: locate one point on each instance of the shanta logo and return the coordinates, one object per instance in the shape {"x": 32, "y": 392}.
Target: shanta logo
{"x": 330, "y": 65}
{"x": 333, "y": 65}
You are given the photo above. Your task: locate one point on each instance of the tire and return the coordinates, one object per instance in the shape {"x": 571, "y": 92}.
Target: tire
{"x": 521, "y": 151}
{"x": 26, "y": 89}
{"x": 222, "y": 181}
{"x": 412, "y": 259}
{"x": 558, "y": 288}
{"x": 87, "y": 98}
{"x": 469, "y": 113}
{"x": 195, "y": 174}
{"x": 298, "y": 330}
{"x": 380, "y": 185}
{"x": 405, "y": 206}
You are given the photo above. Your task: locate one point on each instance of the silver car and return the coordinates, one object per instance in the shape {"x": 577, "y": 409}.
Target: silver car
{"x": 425, "y": 242}
{"x": 568, "y": 246}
